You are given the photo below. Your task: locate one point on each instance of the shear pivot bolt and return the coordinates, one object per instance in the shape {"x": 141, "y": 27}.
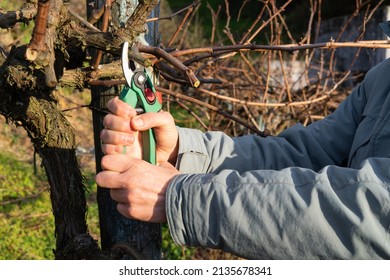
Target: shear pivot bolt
{"x": 141, "y": 79}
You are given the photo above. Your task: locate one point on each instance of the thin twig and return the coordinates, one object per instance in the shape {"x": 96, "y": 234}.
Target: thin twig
{"x": 20, "y": 199}
{"x": 176, "y": 63}
{"x": 83, "y": 21}
{"x": 213, "y": 108}
{"x": 190, "y": 10}
{"x": 105, "y": 22}
{"x": 191, "y": 112}
{"x": 37, "y": 43}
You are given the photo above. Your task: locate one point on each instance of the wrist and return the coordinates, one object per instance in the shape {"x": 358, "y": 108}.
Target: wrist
{"x": 173, "y": 156}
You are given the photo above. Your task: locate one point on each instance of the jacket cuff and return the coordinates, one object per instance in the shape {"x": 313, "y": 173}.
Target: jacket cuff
{"x": 176, "y": 218}
{"x": 192, "y": 154}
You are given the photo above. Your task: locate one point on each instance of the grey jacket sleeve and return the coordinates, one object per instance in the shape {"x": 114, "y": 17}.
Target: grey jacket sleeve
{"x": 283, "y": 197}
{"x": 293, "y": 213}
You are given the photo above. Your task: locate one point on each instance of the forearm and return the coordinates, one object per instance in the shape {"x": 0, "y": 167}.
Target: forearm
{"x": 292, "y": 213}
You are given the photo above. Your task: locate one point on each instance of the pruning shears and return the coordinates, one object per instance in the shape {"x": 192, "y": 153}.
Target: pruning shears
{"x": 139, "y": 92}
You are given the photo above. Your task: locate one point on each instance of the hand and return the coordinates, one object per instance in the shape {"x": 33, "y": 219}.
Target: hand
{"x": 122, "y": 130}
{"x": 138, "y": 186}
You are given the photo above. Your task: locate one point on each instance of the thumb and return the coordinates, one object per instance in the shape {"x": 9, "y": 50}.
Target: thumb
{"x": 152, "y": 120}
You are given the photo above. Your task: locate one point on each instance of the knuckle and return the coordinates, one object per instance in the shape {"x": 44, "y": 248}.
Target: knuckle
{"x": 109, "y": 149}
{"x": 147, "y": 118}
{"x": 116, "y": 137}
{"x": 166, "y": 115}
{"x": 116, "y": 123}
{"x": 112, "y": 105}
{"x": 122, "y": 124}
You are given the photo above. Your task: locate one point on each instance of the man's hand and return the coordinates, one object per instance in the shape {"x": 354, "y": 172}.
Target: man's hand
{"x": 122, "y": 130}
{"x": 138, "y": 186}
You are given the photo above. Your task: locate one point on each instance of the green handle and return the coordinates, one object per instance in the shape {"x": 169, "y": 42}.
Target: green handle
{"x": 149, "y": 146}
{"x": 135, "y": 97}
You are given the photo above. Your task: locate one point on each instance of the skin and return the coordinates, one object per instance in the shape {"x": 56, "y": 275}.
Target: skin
{"x": 131, "y": 180}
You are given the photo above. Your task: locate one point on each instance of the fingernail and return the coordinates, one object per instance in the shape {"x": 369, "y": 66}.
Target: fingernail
{"x": 138, "y": 122}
